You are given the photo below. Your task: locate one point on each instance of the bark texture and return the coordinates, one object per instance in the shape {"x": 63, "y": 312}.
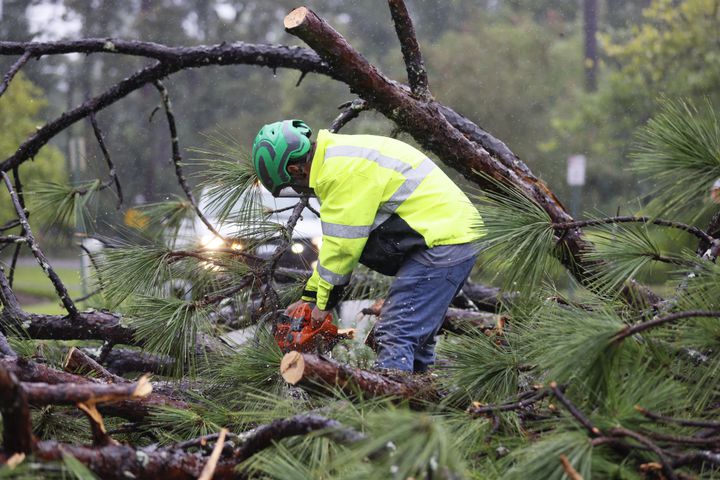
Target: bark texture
{"x": 94, "y": 393}
{"x": 153, "y": 462}
{"x": 132, "y": 409}
{"x": 305, "y": 369}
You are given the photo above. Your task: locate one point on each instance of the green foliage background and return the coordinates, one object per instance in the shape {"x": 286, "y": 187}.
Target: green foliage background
{"x": 22, "y": 109}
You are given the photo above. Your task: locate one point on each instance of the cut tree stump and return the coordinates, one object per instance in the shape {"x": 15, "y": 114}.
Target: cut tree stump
{"x": 308, "y": 370}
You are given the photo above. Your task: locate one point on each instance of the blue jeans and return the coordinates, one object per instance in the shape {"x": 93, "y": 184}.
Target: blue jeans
{"x": 414, "y": 311}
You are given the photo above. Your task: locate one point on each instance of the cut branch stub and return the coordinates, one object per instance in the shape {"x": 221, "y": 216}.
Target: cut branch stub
{"x": 79, "y": 362}
{"x": 100, "y": 436}
{"x": 310, "y": 370}
{"x": 87, "y": 393}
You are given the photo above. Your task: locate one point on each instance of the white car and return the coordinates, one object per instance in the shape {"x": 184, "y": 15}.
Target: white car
{"x": 306, "y": 237}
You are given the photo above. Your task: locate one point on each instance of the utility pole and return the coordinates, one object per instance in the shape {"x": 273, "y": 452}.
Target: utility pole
{"x": 591, "y": 52}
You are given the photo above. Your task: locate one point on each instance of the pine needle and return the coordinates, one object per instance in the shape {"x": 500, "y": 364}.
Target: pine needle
{"x": 174, "y": 425}
{"x": 60, "y": 205}
{"x": 570, "y": 344}
{"x": 406, "y": 444}
{"x": 172, "y": 327}
{"x": 679, "y": 151}
{"x": 134, "y": 269}
{"x": 255, "y": 367}
{"x": 228, "y": 177}
{"x": 541, "y": 459}
{"x": 479, "y": 368}
{"x": 622, "y": 252}
{"x": 645, "y": 385}
{"x": 170, "y": 216}
{"x": 519, "y": 240}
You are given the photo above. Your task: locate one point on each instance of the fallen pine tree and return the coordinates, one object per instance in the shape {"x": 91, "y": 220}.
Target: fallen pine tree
{"x": 635, "y": 393}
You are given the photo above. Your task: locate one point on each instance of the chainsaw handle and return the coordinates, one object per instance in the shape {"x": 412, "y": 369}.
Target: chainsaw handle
{"x": 319, "y": 317}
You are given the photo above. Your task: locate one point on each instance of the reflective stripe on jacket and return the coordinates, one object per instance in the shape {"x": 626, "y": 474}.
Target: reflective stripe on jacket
{"x": 380, "y": 200}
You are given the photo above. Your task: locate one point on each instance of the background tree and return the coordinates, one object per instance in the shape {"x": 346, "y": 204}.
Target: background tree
{"x": 608, "y": 383}
{"x": 21, "y": 109}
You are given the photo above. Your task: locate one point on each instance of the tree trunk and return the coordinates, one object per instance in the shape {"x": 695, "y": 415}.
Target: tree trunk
{"x": 591, "y": 52}
{"x": 310, "y": 370}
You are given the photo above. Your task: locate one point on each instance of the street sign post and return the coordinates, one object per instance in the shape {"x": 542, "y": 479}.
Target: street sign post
{"x": 576, "y": 180}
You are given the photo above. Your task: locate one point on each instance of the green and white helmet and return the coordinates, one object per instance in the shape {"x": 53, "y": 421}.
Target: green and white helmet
{"x": 275, "y": 147}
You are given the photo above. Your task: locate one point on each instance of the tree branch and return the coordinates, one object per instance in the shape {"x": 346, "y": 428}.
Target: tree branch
{"x": 417, "y": 74}
{"x": 477, "y": 409}
{"x": 12, "y": 239}
{"x": 574, "y": 411}
{"x": 93, "y": 325}
{"x": 120, "y": 462}
{"x": 80, "y": 363}
{"x": 700, "y": 458}
{"x": 710, "y": 442}
{"x": 18, "y": 247}
{"x": 666, "y": 464}
{"x": 641, "y": 327}
{"x": 39, "y": 255}
{"x": 111, "y": 166}
{"x": 123, "y": 461}
{"x": 570, "y": 471}
{"x": 177, "y": 159}
{"x": 678, "y": 421}
{"x": 630, "y": 219}
{"x": 315, "y": 370}
{"x": 209, "y": 470}
{"x": 273, "y": 56}
{"x": 136, "y": 409}
{"x": 122, "y": 361}
{"x": 272, "y": 264}
{"x": 713, "y": 229}
{"x": 265, "y": 435}
{"x": 427, "y": 123}
{"x": 100, "y": 436}
{"x": 7, "y": 296}
{"x": 41, "y": 394}
{"x": 173, "y": 60}
{"x": 350, "y": 110}
{"x": 14, "y": 69}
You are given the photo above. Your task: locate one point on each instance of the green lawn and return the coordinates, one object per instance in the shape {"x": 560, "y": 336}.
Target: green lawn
{"x": 36, "y": 292}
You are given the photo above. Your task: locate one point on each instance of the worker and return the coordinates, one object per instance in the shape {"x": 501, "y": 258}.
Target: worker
{"x": 386, "y": 205}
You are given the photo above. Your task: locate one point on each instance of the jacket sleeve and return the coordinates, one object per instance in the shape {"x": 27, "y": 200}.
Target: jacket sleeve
{"x": 349, "y": 206}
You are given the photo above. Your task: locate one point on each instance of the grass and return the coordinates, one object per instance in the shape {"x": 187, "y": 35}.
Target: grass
{"x": 31, "y": 281}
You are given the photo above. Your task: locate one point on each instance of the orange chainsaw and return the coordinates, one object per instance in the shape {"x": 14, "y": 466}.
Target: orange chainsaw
{"x": 297, "y": 331}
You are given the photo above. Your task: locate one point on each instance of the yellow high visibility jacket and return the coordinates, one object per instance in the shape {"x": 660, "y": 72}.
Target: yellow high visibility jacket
{"x": 380, "y": 201}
